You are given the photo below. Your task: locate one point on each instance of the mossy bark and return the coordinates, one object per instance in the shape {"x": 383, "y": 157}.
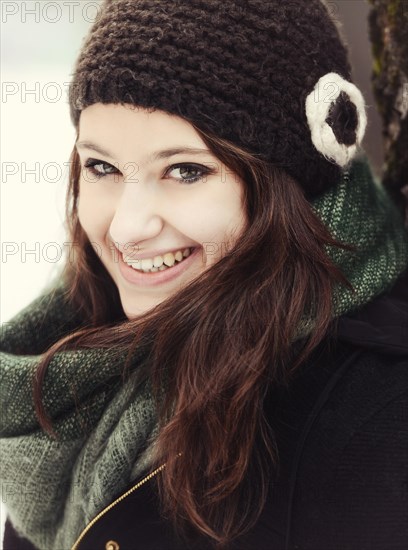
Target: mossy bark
{"x": 388, "y": 23}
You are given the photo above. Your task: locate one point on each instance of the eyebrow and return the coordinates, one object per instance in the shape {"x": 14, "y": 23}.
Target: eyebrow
{"x": 158, "y": 155}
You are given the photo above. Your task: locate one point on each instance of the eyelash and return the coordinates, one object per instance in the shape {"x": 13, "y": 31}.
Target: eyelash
{"x": 203, "y": 170}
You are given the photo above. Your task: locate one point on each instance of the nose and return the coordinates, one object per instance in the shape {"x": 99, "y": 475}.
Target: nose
{"x": 137, "y": 216}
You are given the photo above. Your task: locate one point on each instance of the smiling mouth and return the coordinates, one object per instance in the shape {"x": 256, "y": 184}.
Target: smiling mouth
{"x": 158, "y": 263}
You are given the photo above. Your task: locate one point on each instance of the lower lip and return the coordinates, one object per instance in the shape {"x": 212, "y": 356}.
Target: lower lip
{"x": 158, "y": 277}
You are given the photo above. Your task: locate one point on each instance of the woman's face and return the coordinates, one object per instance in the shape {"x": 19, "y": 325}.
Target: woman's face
{"x": 157, "y": 205}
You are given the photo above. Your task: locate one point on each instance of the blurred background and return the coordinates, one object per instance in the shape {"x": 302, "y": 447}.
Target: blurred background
{"x": 39, "y": 44}
{"x": 40, "y": 41}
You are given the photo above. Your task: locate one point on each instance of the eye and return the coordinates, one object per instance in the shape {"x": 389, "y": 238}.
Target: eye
{"x": 99, "y": 168}
{"x": 189, "y": 173}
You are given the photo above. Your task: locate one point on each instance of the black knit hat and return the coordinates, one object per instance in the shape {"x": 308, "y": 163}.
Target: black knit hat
{"x": 270, "y": 76}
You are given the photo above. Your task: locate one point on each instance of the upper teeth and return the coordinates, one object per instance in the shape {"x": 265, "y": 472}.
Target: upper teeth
{"x": 168, "y": 259}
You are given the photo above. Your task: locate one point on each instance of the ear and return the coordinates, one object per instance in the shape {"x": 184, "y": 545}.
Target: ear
{"x": 335, "y": 112}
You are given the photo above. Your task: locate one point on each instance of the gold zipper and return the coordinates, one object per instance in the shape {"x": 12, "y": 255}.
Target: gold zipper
{"x": 112, "y": 504}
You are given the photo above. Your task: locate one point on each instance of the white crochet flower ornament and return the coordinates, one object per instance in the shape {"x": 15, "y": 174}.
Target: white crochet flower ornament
{"x": 335, "y": 112}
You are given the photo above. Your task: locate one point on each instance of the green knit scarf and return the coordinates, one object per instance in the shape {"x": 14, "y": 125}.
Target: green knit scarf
{"x": 52, "y": 489}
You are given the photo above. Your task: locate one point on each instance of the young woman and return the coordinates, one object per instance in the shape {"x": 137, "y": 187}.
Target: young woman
{"x": 223, "y": 361}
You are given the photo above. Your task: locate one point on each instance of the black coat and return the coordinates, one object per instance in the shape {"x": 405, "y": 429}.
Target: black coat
{"x": 342, "y": 433}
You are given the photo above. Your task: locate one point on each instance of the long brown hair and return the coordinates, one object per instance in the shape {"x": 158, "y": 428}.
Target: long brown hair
{"x": 222, "y": 341}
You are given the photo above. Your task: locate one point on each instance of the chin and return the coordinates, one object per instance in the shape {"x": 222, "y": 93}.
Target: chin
{"x": 132, "y": 310}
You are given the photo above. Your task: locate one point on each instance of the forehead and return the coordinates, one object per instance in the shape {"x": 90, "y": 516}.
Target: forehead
{"x": 129, "y": 125}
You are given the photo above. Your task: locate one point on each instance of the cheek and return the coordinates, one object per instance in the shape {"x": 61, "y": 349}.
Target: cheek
{"x": 225, "y": 212}
{"x": 94, "y": 212}
{"x": 215, "y": 221}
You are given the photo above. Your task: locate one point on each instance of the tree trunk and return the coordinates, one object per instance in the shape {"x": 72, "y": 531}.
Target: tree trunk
{"x": 388, "y": 23}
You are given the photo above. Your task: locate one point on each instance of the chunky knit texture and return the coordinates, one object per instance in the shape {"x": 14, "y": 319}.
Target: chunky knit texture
{"x": 107, "y": 428}
{"x": 52, "y": 489}
{"x": 242, "y": 69}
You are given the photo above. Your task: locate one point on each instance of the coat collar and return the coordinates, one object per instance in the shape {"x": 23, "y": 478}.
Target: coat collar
{"x": 382, "y": 324}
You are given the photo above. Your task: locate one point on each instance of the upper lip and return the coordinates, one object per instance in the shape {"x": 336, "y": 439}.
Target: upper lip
{"x": 151, "y": 253}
